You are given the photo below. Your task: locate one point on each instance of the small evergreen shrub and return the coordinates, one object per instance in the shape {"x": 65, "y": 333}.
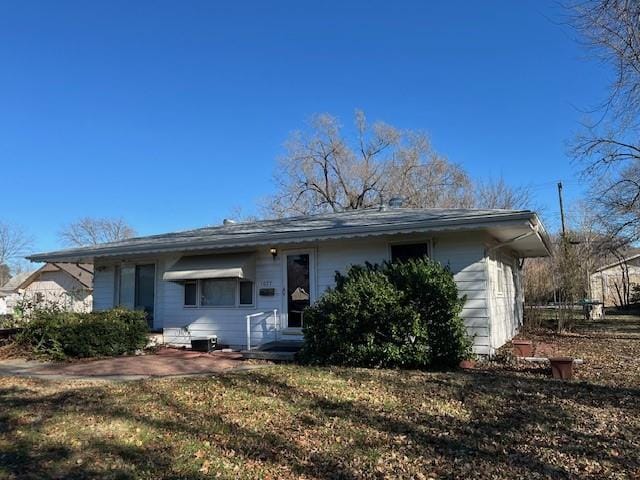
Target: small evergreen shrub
{"x": 403, "y": 315}
{"x": 60, "y": 334}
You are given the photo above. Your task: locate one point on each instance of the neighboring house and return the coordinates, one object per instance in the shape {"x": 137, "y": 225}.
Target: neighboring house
{"x": 9, "y": 292}
{"x": 241, "y": 280}
{"x": 613, "y": 283}
{"x": 68, "y": 285}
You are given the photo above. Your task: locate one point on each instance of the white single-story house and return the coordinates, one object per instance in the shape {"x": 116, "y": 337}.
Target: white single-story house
{"x": 250, "y": 282}
{"x": 67, "y": 285}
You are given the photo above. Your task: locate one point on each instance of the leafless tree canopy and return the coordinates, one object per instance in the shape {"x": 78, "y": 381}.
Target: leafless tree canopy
{"x": 14, "y": 243}
{"x": 499, "y": 194}
{"x": 565, "y": 277}
{"x": 91, "y": 231}
{"x": 323, "y": 170}
{"x": 610, "y": 147}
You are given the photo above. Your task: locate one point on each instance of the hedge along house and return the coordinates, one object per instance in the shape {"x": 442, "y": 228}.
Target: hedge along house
{"x": 248, "y": 283}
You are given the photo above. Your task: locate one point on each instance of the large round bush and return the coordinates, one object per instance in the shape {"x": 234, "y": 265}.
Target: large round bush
{"x": 391, "y": 315}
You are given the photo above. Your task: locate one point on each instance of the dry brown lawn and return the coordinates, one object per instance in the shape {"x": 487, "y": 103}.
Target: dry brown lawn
{"x": 500, "y": 421}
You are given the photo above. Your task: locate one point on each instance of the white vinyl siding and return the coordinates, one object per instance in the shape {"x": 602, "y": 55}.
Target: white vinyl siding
{"x": 505, "y": 297}
{"x": 463, "y": 253}
{"x": 228, "y": 323}
{"x": 338, "y": 256}
{"x": 103, "y": 286}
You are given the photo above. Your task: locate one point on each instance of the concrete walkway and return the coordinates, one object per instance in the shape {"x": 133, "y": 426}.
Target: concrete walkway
{"x": 166, "y": 362}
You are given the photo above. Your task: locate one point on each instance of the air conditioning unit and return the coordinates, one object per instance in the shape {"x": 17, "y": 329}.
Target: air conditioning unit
{"x": 204, "y": 344}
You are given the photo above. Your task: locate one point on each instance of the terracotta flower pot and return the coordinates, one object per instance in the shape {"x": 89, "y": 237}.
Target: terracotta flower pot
{"x": 562, "y": 367}
{"x": 522, "y": 348}
{"x": 467, "y": 364}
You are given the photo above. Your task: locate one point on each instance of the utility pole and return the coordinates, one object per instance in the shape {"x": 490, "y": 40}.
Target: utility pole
{"x": 564, "y": 232}
{"x": 560, "y": 315}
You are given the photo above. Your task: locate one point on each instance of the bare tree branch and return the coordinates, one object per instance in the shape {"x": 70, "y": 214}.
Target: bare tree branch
{"x": 14, "y": 244}
{"x": 324, "y": 171}
{"x": 498, "y": 194}
{"x": 92, "y": 231}
{"x": 609, "y": 150}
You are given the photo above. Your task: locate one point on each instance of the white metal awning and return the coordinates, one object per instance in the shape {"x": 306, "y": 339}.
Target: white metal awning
{"x": 195, "y": 267}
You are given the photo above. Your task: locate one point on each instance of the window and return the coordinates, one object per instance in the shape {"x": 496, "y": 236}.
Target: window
{"x": 404, "y": 252}
{"x": 135, "y": 288}
{"x": 191, "y": 294}
{"x": 218, "y": 292}
{"x": 246, "y": 292}
{"x": 127, "y": 286}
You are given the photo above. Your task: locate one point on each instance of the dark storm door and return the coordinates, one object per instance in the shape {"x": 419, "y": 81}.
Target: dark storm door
{"x": 145, "y": 290}
{"x": 299, "y": 288}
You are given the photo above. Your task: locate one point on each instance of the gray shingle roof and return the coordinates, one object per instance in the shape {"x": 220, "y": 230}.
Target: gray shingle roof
{"x": 15, "y": 282}
{"x": 295, "y": 229}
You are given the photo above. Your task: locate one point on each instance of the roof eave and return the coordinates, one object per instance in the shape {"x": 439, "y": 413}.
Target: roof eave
{"x": 542, "y": 233}
{"x": 88, "y": 254}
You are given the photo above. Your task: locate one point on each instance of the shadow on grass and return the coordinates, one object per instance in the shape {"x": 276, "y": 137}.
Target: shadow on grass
{"x": 32, "y": 456}
{"x": 507, "y": 412}
{"x": 507, "y": 424}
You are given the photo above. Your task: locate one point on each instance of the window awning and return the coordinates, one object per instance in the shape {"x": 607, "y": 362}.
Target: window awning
{"x": 212, "y": 266}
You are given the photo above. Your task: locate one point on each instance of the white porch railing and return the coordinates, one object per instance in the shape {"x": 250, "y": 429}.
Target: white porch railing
{"x": 276, "y": 319}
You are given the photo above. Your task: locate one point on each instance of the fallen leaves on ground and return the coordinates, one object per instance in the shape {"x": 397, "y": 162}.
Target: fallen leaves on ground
{"x": 500, "y": 421}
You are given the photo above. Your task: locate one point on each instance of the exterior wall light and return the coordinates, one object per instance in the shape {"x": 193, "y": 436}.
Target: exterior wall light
{"x": 274, "y": 252}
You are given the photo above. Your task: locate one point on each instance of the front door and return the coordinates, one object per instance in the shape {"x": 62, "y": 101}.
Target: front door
{"x": 299, "y": 287}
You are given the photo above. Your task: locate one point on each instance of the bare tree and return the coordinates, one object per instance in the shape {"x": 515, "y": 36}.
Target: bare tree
{"x": 14, "y": 243}
{"x": 5, "y": 274}
{"x": 322, "y": 170}
{"x": 609, "y": 148}
{"x": 237, "y": 214}
{"x": 565, "y": 277}
{"x": 92, "y": 231}
{"x": 499, "y": 194}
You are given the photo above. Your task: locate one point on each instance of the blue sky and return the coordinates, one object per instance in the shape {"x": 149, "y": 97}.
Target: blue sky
{"x": 170, "y": 114}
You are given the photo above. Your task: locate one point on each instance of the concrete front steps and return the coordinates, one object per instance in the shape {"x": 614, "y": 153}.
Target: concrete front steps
{"x": 282, "y": 350}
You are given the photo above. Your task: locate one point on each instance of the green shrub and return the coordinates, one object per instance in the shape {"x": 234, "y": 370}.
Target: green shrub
{"x": 8, "y": 321}
{"x": 395, "y": 315}
{"x": 58, "y": 334}
{"x": 432, "y": 292}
